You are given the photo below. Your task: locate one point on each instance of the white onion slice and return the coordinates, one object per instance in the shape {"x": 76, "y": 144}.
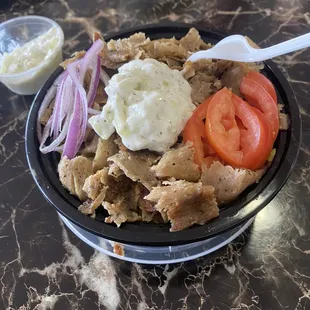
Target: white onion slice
{"x": 104, "y": 77}
{"x": 57, "y": 106}
{"x": 93, "y": 111}
{"x": 94, "y": 81}
{"x": 50, "y": 95}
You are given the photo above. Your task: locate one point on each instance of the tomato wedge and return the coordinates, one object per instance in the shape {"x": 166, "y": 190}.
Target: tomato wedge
{"x": 256, "y": 95}
{"x": 263, "y": 81}
{"x": 235, "y": 132}
{"x": 222, "y": 130}
{"x": 246, "y": 142}
{"x": 255, "y": 137}
{"x": 194, "y": 132}
{"x": 201, "y": 111}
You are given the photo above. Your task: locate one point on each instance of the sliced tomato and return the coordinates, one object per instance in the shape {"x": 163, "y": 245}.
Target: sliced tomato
{"x": 263, "y": 81}
{"x": 222, "y": 130}
{"x": 234, "y": 132}
{"x": 207, "y": 149}
{"x": 194, "y": 131}
{"x": 256, "y": 95}
{"x": 201, "y": 111}
{"x": 255, "y": 135}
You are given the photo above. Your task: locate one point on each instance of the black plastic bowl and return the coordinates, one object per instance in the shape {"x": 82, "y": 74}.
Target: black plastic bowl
{"x": 251, "y": 201}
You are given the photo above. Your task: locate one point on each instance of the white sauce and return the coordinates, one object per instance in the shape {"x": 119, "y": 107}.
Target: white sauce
{"x": 43, "y": 52}
{"x": 148, "y": 106}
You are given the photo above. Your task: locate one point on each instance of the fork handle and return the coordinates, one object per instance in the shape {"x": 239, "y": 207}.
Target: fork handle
{"x": 288, "y": 46}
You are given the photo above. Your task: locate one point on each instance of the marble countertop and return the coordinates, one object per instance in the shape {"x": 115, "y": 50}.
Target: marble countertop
{"x": 44, "y": 266}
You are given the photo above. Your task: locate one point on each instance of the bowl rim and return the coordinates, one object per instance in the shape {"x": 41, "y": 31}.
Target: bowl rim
{"x": 280, "y": 173}
{"x": 34, "y": 18}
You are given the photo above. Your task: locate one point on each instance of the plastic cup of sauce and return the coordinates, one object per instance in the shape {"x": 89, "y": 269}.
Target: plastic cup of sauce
{"x": 30, "y": 51}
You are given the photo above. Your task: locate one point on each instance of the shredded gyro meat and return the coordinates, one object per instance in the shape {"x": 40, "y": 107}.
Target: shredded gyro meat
{"x": 284, "y": 121}
{"x": 115, "y": 171}
{"x": 203, "y": 85}
{"x": 158, "y": 49}
{"x": 105, "y": 149}
{"x": 118, "y": 249}
{"x": 179, "y": 164}
{"x": 90, "y": 147}
{"x": 193, "y": 42}
{"x": 73, "y": 173}
{"x": 185, "y": 203}
{"x": 89, "y": 206}
{"x": 94, "y": 184}
{"x": 75, "y": 56}
{"x": 137, "y": 166}
{"x": 120, "y": 213}
{"x": 229, "y": 182}
{"x": 129, "y": 206}
{"x": 117, "y": 52}
{"x": 208, "y": 76}
{"x": 101, "y": 188}
{"x": 123, "y": 207}
{"x": 233, "y": 76}
{"x": 146, "y": 207}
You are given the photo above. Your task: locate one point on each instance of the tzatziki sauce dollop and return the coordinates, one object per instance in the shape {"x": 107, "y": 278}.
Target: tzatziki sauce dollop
{"x": 148, "y": 106}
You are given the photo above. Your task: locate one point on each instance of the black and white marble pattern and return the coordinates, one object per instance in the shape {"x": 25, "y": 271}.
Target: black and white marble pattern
{"x": 43, "y": 266}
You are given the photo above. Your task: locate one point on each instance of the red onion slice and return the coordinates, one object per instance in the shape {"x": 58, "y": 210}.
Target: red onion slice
{"x": 57, "y": 106}
{"x": 67, "y": 100}
{"x": 104, "y": 77}
{"x": 72, "y": 70}
{"x": 90, "y": 55}
{"x": 94, "y": 81}
{"x": 70, "y": 146}
{"x": 50, "y": 95}
{"x": 59, "y": 78}
{"x": 93, "y": 111}
{"x": 72, "y": 105}
{"x": 51, "y": 147}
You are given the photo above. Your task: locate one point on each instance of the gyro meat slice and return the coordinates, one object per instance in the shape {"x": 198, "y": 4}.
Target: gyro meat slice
{"x": 102, "y": 188}
{"x": 178, "y": 163}
{"x": 228, "y": 182}
{"x": 185, "y": 203}
{"x": 90, "y": 147}
{"x": 122, "y": 202}
{"x": 158, "y": 49}
{"x": 146, "y": 207}
{"x": 137, "y": 166}
{"x": 105, "y": 149}
{"x": 116, "y": 52}
{"x": 95, "y": 183}
{"x": 284, "y": 121}
{"x": 115, "y": 171}
{"x": 119, "y": 213}
{"x": 192, "y": 41}
{"x": 73, "y": 173}
{"x": 89, "y": 206}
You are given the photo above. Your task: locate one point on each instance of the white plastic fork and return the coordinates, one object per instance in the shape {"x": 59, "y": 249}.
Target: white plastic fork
{"x": 237, "y": 48}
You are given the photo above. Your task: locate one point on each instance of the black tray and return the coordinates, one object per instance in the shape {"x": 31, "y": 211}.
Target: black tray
{"x": 251, "y": 201}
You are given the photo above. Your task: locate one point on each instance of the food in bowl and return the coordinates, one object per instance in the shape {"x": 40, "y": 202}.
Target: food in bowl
{"x": 163, "y": 140}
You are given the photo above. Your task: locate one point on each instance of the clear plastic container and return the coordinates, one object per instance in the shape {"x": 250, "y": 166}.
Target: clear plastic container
{"x": 15, "y": 33}
{"x": 158, "y": 254}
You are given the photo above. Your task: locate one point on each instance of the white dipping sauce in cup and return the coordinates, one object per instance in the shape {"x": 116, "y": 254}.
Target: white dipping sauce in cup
{"x": 25, "y": 67}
